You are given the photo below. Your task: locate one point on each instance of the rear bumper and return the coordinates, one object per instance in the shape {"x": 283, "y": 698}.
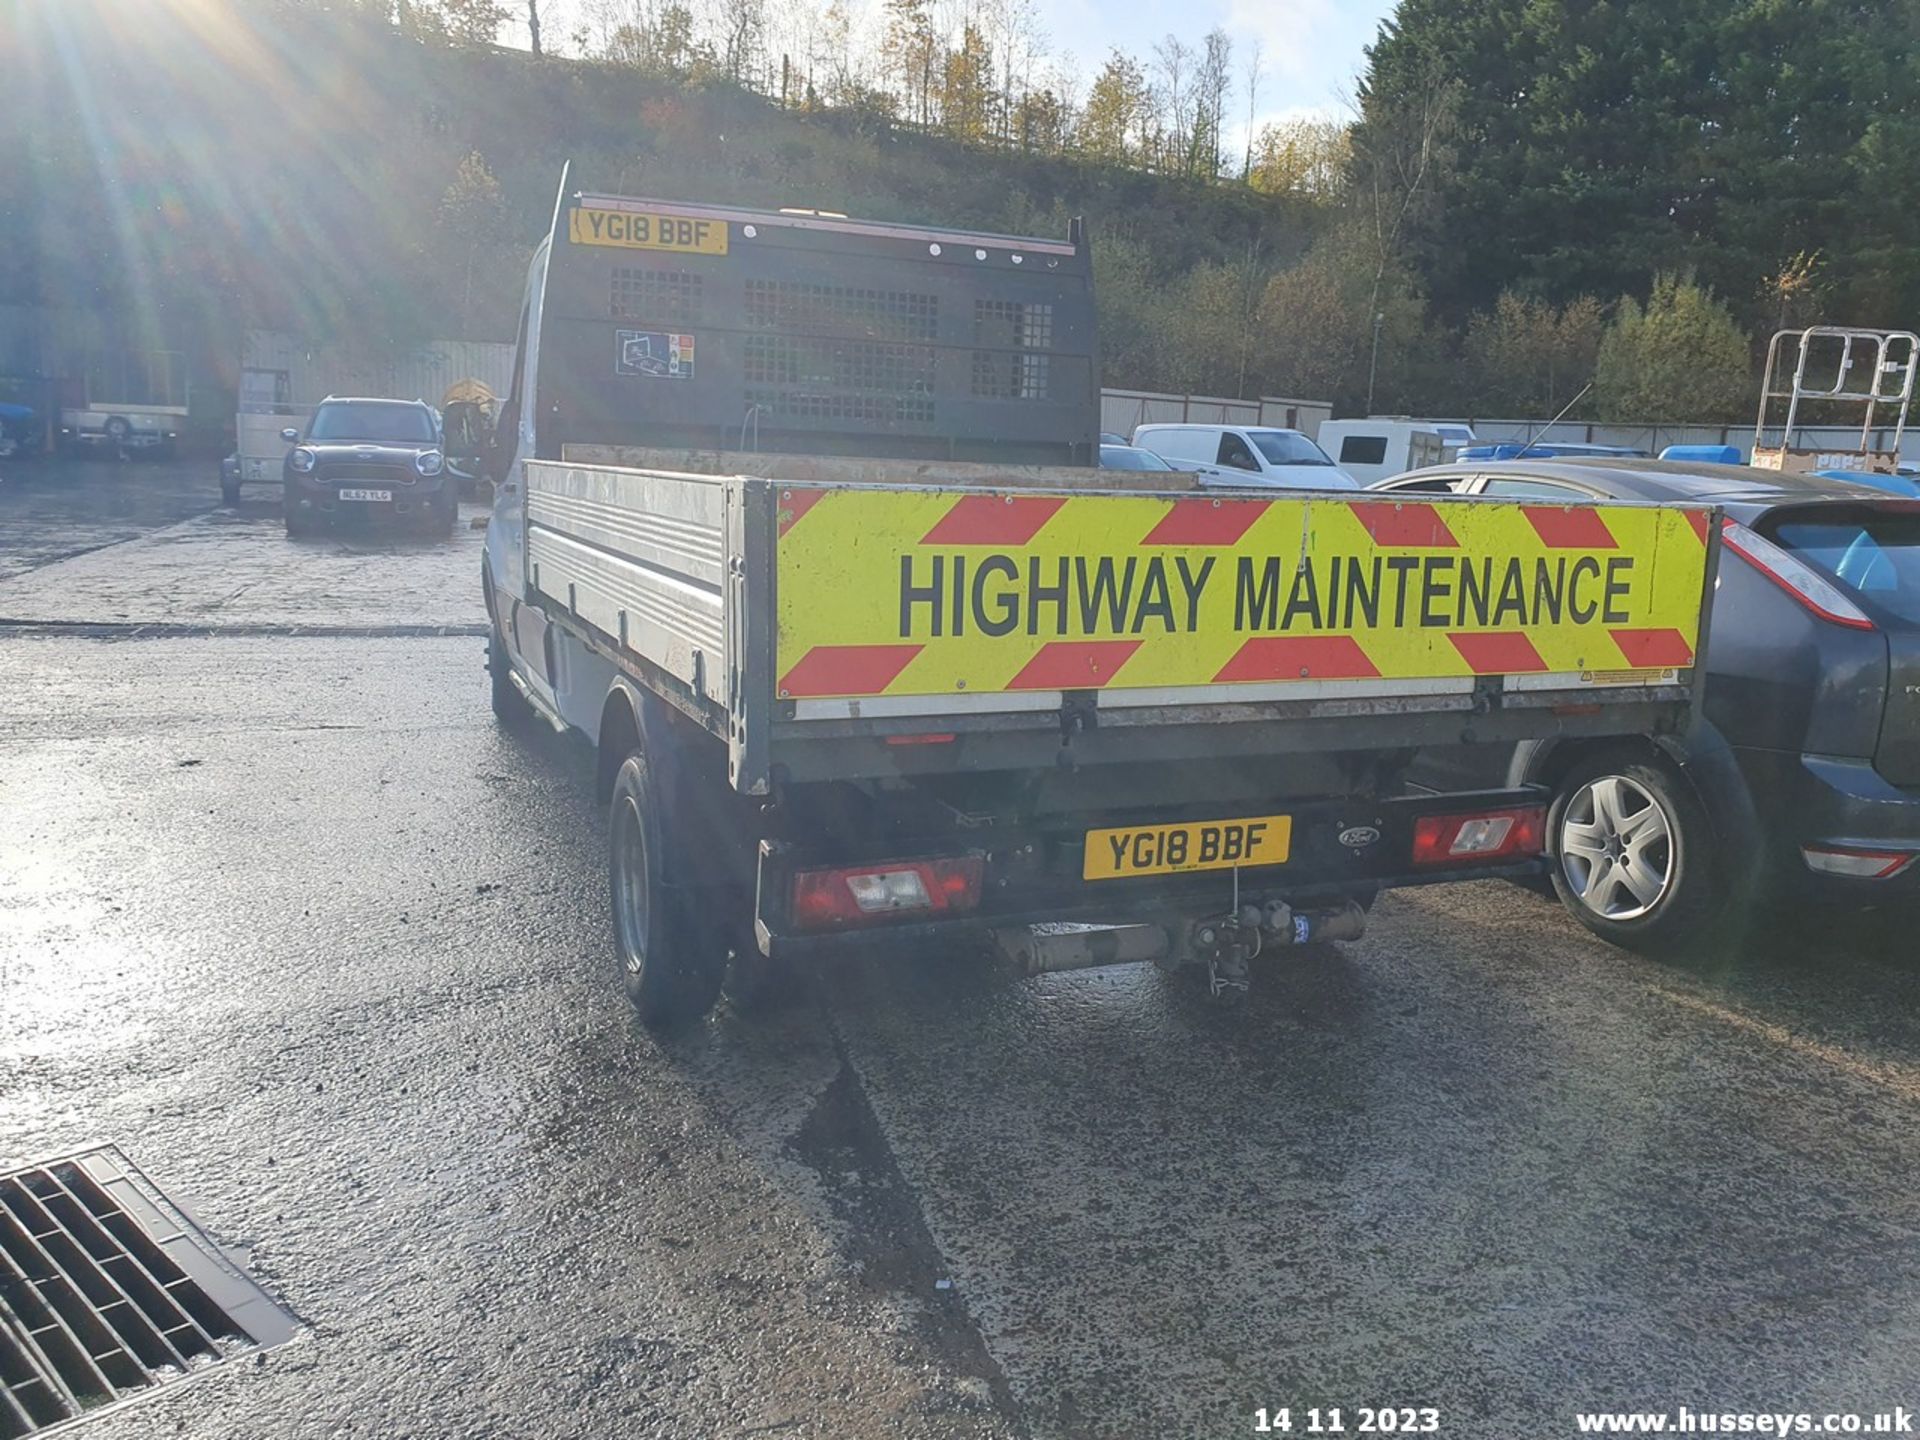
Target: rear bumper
{"x": 1033, "y": 876}
{"x": 1837, "y": 804}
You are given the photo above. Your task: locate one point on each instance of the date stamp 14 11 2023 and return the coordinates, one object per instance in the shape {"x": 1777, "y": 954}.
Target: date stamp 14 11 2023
{"x": 1345, "y": 1420}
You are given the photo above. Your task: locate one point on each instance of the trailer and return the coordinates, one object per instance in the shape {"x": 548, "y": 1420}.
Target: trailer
{"x": 126, "y": 400}
{"x": 1835, "y": 373}
{"x": 909, "y": 669}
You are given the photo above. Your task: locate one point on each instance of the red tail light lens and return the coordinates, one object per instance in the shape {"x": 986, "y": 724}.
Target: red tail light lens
{"x": 1477, "y": 836}
{"x": 1800, "y": 580}
{"x": 864, "y": 894}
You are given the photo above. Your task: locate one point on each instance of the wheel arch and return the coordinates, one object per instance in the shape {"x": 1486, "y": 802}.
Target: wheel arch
{"x": 630, "y": 720}
{"x": 1702, "y": 757}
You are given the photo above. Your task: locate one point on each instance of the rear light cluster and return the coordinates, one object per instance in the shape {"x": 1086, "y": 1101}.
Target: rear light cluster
{"x": 1478, "y": 836}
{"x": 863, "y": 894}
{"x": 1793, "y": 575}
{"x": 1856, "y": 864}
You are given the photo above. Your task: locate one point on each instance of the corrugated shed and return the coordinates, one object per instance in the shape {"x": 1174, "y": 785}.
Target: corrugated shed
{"x": 423, "y": 372}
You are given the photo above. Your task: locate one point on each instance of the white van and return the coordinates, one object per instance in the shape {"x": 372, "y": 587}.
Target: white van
{"x": 1376, "y": 449}
{"x": 1229, "y": 455}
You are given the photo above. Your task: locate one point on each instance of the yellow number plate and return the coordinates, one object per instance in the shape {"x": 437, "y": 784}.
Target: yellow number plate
{"x": 1197, "y": 845}
{"x": 636, "y": 230}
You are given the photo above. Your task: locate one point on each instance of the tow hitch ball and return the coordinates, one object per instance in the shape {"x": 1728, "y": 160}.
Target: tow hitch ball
{"x": 1225, "y": 944}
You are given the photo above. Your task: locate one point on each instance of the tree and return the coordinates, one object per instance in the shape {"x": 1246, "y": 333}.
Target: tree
{"x": 840, "y": 80}
{"x": 1173, "y": 66}
{"x": 908, "y": 47}
{"x": 1213, "y": 84}
{"x": 1681, "y": 356}
{"x": 471, "y": 224}
{"x": 1401, "y": 160}
{"x": 1599, "y": 143}
{"x": 743, "y": 27}
{"x": 533, "y": 25}
{"x": 966, "y": 87}
{"x": 1255, "y": 68}
{"x": 1526, "y": 358}
{"x": 1794, "y": 294}
{"x": 1309, "y": 158}
{"x": 472, "y": 22}
{"x": 1115, "y": 110}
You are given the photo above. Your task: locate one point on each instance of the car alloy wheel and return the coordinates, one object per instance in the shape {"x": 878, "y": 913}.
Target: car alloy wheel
{"x": 1616, "y": 848}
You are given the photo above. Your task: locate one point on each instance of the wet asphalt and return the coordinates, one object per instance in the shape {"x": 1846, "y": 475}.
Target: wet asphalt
{"x": 286, "y": 915}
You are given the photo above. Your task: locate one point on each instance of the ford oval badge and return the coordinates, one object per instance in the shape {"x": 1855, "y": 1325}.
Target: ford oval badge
{"x": 1358, "y": 837}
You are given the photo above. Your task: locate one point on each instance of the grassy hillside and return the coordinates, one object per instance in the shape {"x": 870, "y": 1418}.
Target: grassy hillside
{"x": 225, "y": 164}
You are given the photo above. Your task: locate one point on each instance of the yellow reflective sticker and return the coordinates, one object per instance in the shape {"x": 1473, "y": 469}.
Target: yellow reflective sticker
{"x": 942, "y": 592}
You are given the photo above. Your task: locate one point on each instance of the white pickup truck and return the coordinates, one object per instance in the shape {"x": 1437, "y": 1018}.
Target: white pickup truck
{"x": 797, "y": 522}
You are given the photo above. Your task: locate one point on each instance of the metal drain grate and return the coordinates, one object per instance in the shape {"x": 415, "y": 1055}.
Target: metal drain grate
{"x": 107, "y": 1290}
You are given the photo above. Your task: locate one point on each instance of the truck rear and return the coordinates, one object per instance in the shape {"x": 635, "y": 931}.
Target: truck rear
{"x": 909, "y": 668}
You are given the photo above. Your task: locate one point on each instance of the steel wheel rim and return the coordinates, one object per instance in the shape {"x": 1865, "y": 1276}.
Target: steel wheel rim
{"x": 632, "y": 902}
{"x": 1617, "y": 848}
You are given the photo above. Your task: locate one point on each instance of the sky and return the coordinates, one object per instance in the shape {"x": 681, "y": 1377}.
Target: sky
{"x": 1311, "y": 50}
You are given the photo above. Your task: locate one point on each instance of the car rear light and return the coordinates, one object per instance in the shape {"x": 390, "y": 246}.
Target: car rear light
{"x": 859, "y": 895}
{"x": 1480, "y": 835}
{"x": 940, "y": 737}
{"x": 1855, "y": 863}
{"x": 1793, "y": 575}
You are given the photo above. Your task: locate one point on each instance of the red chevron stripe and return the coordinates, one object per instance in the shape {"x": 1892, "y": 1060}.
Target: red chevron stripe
{"x": 1698, "y": 519}
{"x": 846, "y": 670}
{"x": 993, "y": 520}
{"x": 793, "y": 504}
{"x": 1074, "y": 665}
{"x": 1403, "y": 525}
{"x": 1206, "y": 522}
{"x": 1570, "y": 527}
{"x": 1503, "y": 652}
{"x": 1299, "y": 657}
{"x": 1653, "y": 648}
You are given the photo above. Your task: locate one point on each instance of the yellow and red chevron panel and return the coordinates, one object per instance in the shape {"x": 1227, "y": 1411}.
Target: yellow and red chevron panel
{"x": 927, "y": 592}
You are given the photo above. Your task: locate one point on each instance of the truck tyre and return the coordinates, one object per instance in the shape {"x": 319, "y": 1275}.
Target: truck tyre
{"x": 670, "y": 976}
{"x": 117, "y": 430}
{"x": 1633, "y": 857}
{"x": 509, "y": 705}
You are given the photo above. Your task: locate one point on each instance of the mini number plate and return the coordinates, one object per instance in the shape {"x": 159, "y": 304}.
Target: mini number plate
{"x": 375, "y": 495}
{"x": 1196, "y": 845}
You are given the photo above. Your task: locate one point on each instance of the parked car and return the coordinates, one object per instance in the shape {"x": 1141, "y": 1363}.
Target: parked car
{"x": 1801, "y": 781}
{"x": 1130, "y": 457}
{"x": 1898, "y": 483}
{"x": 18, "y": 428}
{"x": 1245, "y": 455}
{"x": 1546, "y": 450}
{"x": 1376, "y": 448}
{"x": 376, "y": 459}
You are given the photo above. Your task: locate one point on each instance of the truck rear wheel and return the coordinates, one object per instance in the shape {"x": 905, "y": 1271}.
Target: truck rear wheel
{"x": 670, "y": 977}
